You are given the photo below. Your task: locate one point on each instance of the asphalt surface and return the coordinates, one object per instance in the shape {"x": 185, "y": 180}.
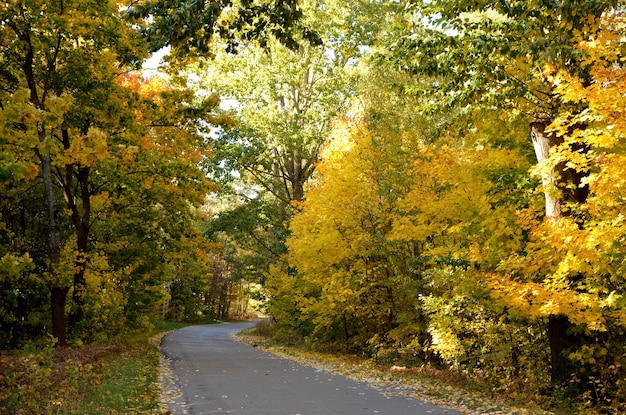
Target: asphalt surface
{"x": 217, "y": 375}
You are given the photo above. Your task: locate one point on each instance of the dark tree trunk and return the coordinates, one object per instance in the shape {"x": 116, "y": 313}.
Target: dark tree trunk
{"x": 58, "y": 294}
{"x": 81, "y": 217}
{"x": 346, "y": 333}
{"x": 59, "y": 326}
{"x": 561, "y": 340}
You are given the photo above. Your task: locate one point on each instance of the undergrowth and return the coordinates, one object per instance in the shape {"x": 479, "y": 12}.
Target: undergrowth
{"x": 120, "y": 378}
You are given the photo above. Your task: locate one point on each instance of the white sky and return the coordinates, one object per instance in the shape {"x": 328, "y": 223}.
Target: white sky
{"x": 154, "y": 62}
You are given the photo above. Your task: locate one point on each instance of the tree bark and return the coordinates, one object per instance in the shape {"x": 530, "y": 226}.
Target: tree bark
{"x": 560, "y": 340}
{"x": 58, "y": 297}
{"x": 58, "y": 294}
{"x": 556, "y": 192}
{"x": 297, "y": 178}
{"x": 81, "y": 217}
{"x": 542, "y": 144}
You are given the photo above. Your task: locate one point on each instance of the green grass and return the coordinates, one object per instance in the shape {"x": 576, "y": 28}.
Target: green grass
{"x": 128, "y": 385}
{"x": 121, "y": 378}
{"x": 116, "y": 379}
{"x": 94, "y": 381}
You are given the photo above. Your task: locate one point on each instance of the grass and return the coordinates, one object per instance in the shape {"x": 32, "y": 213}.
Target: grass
{"x": 126, "y": 384}
{"x": 122, "y": 378}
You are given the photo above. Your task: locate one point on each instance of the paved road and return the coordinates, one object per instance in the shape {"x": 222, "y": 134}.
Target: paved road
{"x": 217, "y": 375}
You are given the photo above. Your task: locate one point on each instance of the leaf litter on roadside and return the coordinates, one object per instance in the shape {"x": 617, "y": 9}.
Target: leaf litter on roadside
{"x": 396, "y": 381}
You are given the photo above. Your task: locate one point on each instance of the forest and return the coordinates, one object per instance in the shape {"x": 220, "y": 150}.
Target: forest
{"x": 432, "y": 182}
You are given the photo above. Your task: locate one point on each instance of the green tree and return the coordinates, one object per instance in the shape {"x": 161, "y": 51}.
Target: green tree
{"x": 153, "y": 194}
{"x": 284, "y": 100}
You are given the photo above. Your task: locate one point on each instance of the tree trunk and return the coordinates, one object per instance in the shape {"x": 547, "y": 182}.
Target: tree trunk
{"x": 556, "y": 192}
{"x": 58, "y": 294}
{"x": 81, "y": 217}
{"x": 298, "y": 180}
{"x": 542, "y": 144}
{"x": 560, "y": 340}
{"x": 346, "y": 333}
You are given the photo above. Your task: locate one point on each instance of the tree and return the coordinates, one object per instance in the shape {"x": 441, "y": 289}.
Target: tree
{"x": 59, "y": 66}
{"x": 154, "y": 193}
{"x": 285, "y": 100}
{"x": 105, "y": 148}
{"x": 578, "y": 253}
{"x": 338, "y": 247}
{"x": 496, "y": 54}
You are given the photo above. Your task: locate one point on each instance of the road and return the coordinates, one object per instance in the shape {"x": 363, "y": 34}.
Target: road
{"x": 217, "y": 375}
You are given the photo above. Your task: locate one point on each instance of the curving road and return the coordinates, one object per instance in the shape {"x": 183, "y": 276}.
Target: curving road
{"x": 217, "y": 375}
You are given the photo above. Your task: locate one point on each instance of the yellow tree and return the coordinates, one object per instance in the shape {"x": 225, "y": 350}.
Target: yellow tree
{"x": 459, "y": 213}
{"x": 97, "y": 147}
{"x": 357, "y": 284}
{"x": 574, "y": 266}
{"x": 393, "y": 223}
{"x": 494, "y": 54}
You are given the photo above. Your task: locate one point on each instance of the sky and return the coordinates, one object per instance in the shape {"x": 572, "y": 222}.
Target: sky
{"x": 153, "y": 63}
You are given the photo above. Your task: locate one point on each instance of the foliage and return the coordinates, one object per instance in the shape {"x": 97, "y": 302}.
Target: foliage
{"x": 381, "y": 185}
{"x": 116, "y": 379}
{"x": 575, "y": 268}
{"x": 452, "y": 218}
{"x": 189, "y": 26}
{"x": 98, "y": 198}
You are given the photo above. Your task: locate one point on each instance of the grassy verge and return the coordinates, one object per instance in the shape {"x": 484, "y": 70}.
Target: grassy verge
{"x": 122, "y": 378}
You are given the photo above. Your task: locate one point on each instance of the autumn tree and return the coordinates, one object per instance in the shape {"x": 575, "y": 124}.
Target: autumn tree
{"x": 285, "y": 99}
{"x": 391, "y": 227}
{"x": 338, "y": 247}
{"x": 113, "y": 156}
{"x": 59, "y": 66}
{"x": 496, "y": 54}
{"x": 154, "y": 194}
{"x": 576, "y": 255}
